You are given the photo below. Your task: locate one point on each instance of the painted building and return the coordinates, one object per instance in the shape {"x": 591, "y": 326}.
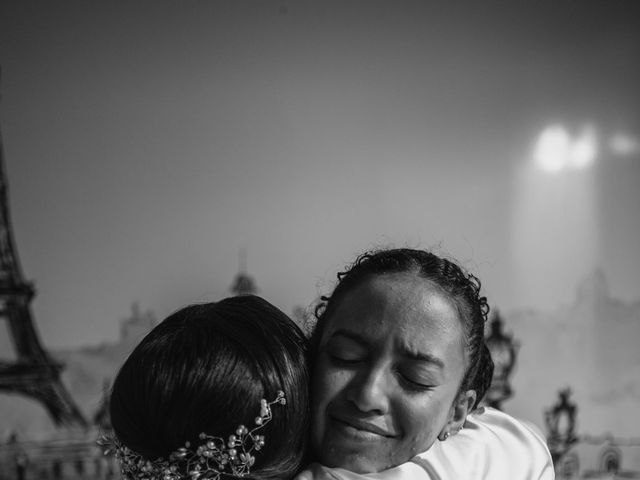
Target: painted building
{"x": 601, "y": 457}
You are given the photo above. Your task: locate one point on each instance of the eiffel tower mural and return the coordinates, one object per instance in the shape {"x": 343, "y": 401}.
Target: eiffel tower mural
{"x": 34, "y": 373}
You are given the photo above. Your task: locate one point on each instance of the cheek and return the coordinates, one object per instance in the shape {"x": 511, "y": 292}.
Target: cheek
{"x": 328, "y": 382}
{"x": 326, "y": 385}
{"x": 423, "y": 421}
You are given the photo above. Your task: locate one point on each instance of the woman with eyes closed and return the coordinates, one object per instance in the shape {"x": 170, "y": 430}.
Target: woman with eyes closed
{"x": 400, "y": 364}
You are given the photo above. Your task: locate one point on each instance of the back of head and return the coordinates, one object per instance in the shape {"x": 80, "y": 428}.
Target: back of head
{"x": 462, "y": 288}
{"x": 205, "y": 369}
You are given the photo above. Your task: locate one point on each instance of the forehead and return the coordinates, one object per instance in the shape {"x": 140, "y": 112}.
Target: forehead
{"x": 409, "y": 309}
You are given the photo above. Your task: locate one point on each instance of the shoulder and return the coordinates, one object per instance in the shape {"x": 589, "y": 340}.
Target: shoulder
{"x": 499, "y": 426}
{"x": 492, "y": 445}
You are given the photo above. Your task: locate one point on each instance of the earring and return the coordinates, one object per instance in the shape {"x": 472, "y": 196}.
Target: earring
{"x": 443, "y": 436}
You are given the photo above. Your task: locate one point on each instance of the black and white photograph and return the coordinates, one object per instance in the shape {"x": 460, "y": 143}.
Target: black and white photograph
{"x": 319, "y": 240}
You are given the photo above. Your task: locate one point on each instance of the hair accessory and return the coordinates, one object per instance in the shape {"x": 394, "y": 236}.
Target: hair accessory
{"x": 212, "y": 459}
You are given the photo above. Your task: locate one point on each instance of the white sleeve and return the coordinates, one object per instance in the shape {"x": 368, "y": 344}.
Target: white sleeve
{"x": 492, "y": 446}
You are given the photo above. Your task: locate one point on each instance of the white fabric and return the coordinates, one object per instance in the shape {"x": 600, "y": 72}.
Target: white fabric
{"x": 492, "y": 446}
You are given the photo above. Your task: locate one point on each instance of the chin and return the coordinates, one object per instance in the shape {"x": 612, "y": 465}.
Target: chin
{"x": 354, "y": 463}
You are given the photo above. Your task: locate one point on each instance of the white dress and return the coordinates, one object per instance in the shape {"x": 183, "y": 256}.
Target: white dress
{"x": 492, "y": 446}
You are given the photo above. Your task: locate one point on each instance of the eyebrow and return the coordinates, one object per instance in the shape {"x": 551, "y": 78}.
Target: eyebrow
{"x": 423, "y": 357}
{"x": 351, "y": 336}
{"x": 406, "y": 352}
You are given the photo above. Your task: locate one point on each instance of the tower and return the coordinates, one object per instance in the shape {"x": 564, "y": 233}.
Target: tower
{"x": 34, "y": 373}
{"x": 243, "y": 284}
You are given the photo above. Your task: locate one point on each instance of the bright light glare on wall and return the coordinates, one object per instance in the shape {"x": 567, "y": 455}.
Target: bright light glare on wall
{"x": 584, "y": 149}
{"x": 556, "y": 150}
{"x": 552, "y": 148}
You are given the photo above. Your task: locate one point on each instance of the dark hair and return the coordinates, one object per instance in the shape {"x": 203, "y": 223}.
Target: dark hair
{"x": 462, "y": 287}
{"x": 205, "y": 369}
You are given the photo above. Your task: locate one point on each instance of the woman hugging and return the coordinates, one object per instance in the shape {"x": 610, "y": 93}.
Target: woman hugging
{"x": 387, "y": 387}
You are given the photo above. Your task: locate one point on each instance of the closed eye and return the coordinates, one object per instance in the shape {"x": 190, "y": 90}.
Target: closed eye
{"x": 413, "y": 385}
{"x": 417, "y": 387}
{"x": 344, "y": 350}
{"x": 344, "y": 359}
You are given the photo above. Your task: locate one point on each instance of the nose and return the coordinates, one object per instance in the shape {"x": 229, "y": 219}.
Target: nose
{"x": 368, "y": 391}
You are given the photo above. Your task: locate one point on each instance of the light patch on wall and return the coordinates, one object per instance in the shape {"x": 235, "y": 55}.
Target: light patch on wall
{"x": 554, "y": 225}
{"x": 552, "y": 148}
{"x": 624, "y": 145}
{"x": 584, "y": 148}
{"x": 556, "y": 149}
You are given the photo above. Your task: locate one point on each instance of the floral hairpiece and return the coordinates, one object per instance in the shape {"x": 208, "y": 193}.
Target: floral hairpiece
{"x": 212, "y": 459}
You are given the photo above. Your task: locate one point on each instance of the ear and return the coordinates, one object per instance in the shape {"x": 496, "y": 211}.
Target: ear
{"x": 461, "y": 407}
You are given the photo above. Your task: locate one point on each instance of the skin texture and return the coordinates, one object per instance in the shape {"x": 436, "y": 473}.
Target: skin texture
{"x": 387, "y": 375}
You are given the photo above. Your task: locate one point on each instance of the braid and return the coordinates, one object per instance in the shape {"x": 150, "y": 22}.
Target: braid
{"x": 483, "y": 375}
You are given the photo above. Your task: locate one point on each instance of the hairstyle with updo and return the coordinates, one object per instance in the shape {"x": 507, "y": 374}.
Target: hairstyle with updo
{"x": 205, "y": 368}
{"x": 462, "y": 288}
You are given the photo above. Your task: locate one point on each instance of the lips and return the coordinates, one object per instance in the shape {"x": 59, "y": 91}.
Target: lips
{"x": 361, "y": 427}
